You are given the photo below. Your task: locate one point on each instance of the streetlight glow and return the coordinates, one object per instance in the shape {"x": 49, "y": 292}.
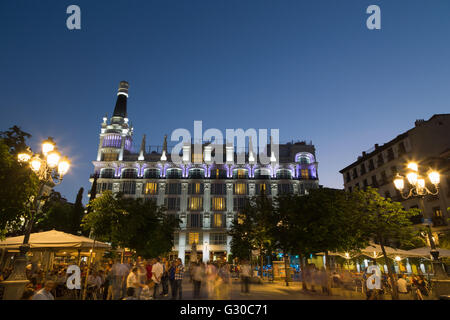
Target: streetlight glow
{"x": 35, "y": 164}
{"x": 434, "y": 177}
{"x": 47, "y": 146}
{"x": 24, "y": 157}
{"x": 53, "y": 158}
{"x": 412, "y": 177}
{"x": 63, "y": 166}
{"x": 398, "y": 182}
{"x": 413, "y": 166}
{"x": 421, "y": 183}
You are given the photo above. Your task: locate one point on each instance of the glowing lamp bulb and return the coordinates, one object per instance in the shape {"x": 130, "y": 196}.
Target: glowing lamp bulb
{"x": 397, "y": 258}
{"x": 24, "y": 157}
{"x": 63, "y": 166}
{"x": 35, "y": 164}
{"x": 347, "y": 255}
{"x": 398, "y": 182}
{"x": 413, "y": 166}
{"x": 412, "y": 177}
{"x": 53, "y": 159}
{"x": 434, "y": 177}
{"x": 47, "y": 146}
{"x": 421, "y": 183}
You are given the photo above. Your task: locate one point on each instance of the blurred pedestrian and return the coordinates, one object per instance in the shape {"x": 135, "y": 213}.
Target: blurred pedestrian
{"x": 46, "y": 292}
{"x": 179, "y": 274}
{"x": 246, "y": 273}
{"x": 197, "y": 278}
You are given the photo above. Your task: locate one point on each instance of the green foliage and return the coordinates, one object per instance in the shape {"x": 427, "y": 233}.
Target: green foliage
{"x": 132, "y": 223}
{"x": 324, "y": 220}
{"x": 18, "y": 181}
{"x": 61, "y": 215}
{"x": 444, "y": 240}
{"x": 387, "y": 221}
{"x": 252, "y": 228}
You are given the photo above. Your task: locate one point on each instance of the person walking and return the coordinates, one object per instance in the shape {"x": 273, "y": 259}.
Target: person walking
{"x": 223, "y": 288}
{"x": 157, "y": 272}
{"x": 179, "y": 273}
{"x": 211, "y": 274}
{"x": 197, "y": 278}
{"x": 133, "y": 283}
{"x": 165, "y": 277}
{"x": 172, "y": 277}
{"x": 141, "y": 276}
{"x": 246, "y": 273}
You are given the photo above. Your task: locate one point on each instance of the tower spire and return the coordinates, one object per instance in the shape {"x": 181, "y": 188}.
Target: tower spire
{"x": 142, "y": 151}
{"x": 251, "y": 157}
{"x": 120, "y": 110}
{"x": 164, "y": 151}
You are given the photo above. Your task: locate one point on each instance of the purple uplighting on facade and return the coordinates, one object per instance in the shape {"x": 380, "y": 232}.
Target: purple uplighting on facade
{"x": 128, "y": 144}
{"x": 313, "y": 171}
{"x": 206, "y": 171}
{"x": 112, "y": 140}
{"x": 118, "y": 171}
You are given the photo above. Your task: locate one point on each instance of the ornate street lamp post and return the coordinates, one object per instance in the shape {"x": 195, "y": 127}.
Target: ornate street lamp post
{"x": 418, "y": 189}
{"x": 50, "y": 168}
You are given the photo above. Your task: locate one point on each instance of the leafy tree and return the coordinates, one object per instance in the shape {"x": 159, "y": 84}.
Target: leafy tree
{"x": 61, "y": 215}
{"x": 19, "y": 184}
{"x": 15, "y": 139}
{"x": 132, "y": 223}
{"x": 252, "y": 228}
{"x": 387, "y": 223}
{"x": 105, "y": 218}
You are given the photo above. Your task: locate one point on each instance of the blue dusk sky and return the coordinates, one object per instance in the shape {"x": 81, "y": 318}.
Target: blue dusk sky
{"x": 311, "y": 69}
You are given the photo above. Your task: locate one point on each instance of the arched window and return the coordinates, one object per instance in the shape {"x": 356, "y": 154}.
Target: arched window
{"x": 129, "y": 174}
{"x": 196, "y": 173}
{"x": 284, "y": 174}
{"x": 107, "y": 173}
{"x": 304, "y": 158}
{"x": 152, "y": 173}
{"x": 174, "y": 173}
{"x": 240, "y": 174}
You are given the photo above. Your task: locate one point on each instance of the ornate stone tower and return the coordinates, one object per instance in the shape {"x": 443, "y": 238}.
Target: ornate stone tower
{"x": 116, "y": 136}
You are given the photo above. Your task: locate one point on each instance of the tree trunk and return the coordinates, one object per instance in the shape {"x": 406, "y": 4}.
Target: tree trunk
{"x": 286, "y": 269}
{"x": 261, "y": 262}
{"x": 302, "y": 268}
{"x": 328, "y": 271}
{"x": 394, "y": 290}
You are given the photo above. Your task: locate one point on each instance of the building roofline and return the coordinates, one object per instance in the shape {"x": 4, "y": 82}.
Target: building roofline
{"x": 388, "y": 144}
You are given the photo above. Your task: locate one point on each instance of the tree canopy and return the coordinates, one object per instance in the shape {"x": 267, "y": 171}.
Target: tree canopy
{"x": 132, "y": 223}
{"x": 19, "y": 183}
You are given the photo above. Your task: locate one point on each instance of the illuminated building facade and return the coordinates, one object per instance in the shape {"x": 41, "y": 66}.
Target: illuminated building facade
{"x": 204, "y": 195}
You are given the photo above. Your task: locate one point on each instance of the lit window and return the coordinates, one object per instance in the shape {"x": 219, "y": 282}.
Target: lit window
{"x": 151, "y": 188}
{"x": 194, "y": 237}
{"x": 305, "y": 174}
{"x": 240, "y": 188}
{"x": 195, "y": 203}
{"x": 110, "y": 156}
{"x": 218, "y": 203}
{"x": 218, "y": 220}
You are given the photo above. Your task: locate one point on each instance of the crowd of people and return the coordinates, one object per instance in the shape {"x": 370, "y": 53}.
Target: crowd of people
{"x": 409, "y": 287}
{"x": 150, "y": 279}
{"x": 139, "y": 279}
